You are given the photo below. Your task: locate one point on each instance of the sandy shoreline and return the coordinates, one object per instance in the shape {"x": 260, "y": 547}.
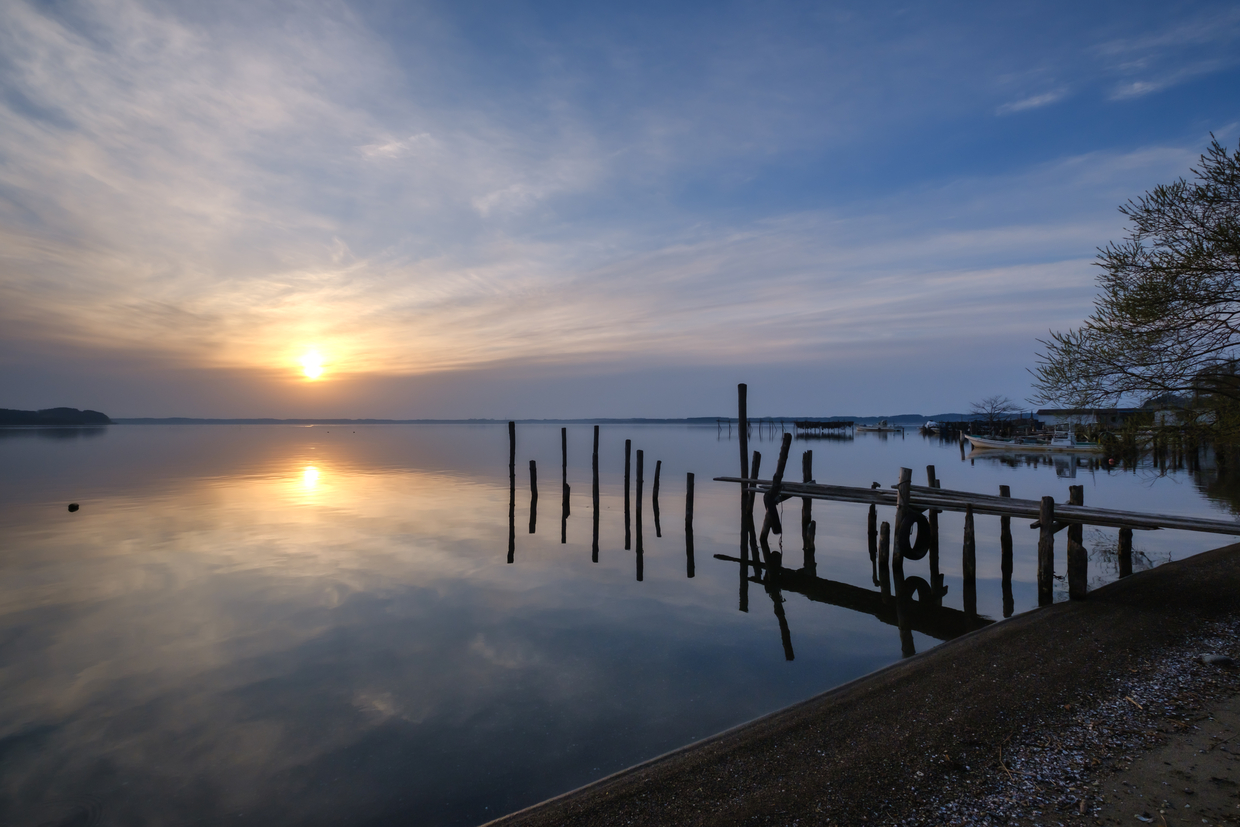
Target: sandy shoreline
{"x": 1073, "y": 714}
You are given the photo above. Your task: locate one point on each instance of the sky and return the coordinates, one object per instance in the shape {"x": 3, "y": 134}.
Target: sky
{"x": 545, "y": 209}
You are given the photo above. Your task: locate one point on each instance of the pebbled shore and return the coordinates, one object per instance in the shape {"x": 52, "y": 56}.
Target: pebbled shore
{"x": 1095, "y": 712}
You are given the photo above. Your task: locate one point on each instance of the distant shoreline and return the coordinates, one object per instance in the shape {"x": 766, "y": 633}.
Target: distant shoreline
{"x": 905, "y": 419}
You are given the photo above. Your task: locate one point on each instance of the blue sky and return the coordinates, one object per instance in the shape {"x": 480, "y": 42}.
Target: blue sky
{"x": 554, "y": 209}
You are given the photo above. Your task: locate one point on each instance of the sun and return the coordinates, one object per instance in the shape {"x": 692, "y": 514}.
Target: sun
{"x": 312, "y": 365}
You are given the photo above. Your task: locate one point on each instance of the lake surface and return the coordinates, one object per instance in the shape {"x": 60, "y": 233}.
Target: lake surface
{"x": 321, "y": 625}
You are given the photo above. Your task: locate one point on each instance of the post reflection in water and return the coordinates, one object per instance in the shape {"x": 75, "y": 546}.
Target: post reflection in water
{"x": 564, "y": 486}
{"x": 628, "y": 535}
{"x": 512, "y": 491}
{"x": 654, "y": 498}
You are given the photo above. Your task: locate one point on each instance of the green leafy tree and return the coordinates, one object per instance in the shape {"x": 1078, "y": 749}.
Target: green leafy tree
{"x": 1167, "y": 319}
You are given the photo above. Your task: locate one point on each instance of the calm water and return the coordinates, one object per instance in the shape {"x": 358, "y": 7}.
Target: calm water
{"x": 319, "y": 625}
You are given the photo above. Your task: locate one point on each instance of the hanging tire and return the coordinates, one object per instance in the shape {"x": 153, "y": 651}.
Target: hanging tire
{"x": 914, "y": 550}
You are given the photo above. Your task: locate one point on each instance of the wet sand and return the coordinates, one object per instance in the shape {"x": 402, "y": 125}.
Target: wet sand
{"x": 1081, "y": 713}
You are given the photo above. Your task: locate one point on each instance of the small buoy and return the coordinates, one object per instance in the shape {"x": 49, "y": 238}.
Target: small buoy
{"x": 74, "y": 506}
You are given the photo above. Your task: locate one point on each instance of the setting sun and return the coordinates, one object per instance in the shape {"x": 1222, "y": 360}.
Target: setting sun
{"x": 312, "y": 365}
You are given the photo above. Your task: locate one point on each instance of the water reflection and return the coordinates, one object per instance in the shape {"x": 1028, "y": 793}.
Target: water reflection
{"x": 310, "y": 626}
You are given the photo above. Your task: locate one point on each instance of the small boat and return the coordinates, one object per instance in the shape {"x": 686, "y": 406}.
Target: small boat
{"x": 882, "y": 427}
{"x": 1058, "y": 442}
{"x": 931, "y": 426}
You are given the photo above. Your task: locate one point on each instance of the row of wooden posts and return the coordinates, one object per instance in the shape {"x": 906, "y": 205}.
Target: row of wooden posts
{"x": 690, "y": 567}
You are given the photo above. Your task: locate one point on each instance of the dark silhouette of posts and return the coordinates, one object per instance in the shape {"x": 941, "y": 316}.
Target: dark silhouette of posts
{"x": 968, "y": 563}
{"x": 640, "y": 550}
{"x": 533, "y": 496}
{"x": 1005, "y": 556}
{"x": 1078, "y": 558}
{"x": 884, "y": 550}
{"x": 689, "y": 567}
{"x": 563, "y": 485}
{"x": 1046, "y": 552}
{"x": 1125, "y": 552}
{"x": 808, "y": 527}
{"x": 654, "y": 498}
{"x": 932, "y": 518}
{"x": 594, "y": 467}
{"x": 871, "y": 532}
{"x": 753, "y": 533}
{"x": 628, "y": 537}
{"x": 771, "y": 499}
{"x": 742, "y": 430}
{"x": 512, "y": 491}
{"x": 903, "y": 489}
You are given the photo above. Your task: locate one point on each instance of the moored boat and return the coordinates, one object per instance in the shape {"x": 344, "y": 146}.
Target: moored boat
{"x": 1064, "y": 442}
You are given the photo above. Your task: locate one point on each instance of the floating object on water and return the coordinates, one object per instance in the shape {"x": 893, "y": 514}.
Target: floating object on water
{"x": 74, "y": 506}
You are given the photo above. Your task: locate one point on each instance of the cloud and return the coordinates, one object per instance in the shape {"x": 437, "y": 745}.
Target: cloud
{"x": 1033, "y": 102}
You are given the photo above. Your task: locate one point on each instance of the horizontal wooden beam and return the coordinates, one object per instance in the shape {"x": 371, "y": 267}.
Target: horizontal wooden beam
{"x": 944, "y": 499}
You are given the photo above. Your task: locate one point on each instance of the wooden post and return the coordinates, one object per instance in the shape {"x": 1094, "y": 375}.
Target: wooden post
{"x": 512, "y": 449}
{"x": 594, "y": 468}
{"x": 770, "y": 523}
{"x": 689, "y": 568}
{"x": 1005, "y": 559}
{"x": 742, "y": 426}
{"x": 564, "y": 453}
{"x": 512, "y": 491}
{"x": 936, "y": 577}
{"x": 639, "y": 511}
{"x": 654, "y": 498}
{"x": 968, "y": 563}
{"x": 807, "y": 508}
{"x": 753, "y": 532}
{"x": 884, "y": 550}
{"x": 902, "y": 508}
{"x": 628, "y": 537}
{"x": 1078, "y": 558}
{"x": 1046, "y": 552}
{"x": 533, "y": 496}
{"x": 1125, "y": 552}
{"x": 871, "y": 533}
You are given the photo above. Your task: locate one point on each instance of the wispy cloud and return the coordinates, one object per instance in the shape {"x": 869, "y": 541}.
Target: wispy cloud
{"x": 1032, "y": 102}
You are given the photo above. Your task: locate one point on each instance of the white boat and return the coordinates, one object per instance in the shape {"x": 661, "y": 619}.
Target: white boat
{"x": 882, "y": 427}
{"x": 1058, "y": 442}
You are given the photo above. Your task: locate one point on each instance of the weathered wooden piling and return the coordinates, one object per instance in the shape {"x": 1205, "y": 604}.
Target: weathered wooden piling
{"x": 807, "y": 508}
{"x": 1078, "y": 557}
{"x": 512, "y": 491}
{"x": 640, "y": 549}
{"x": 968, "y": 564}
{"x": 654, "y": 498}
{"x": 884, "y": 551}
{"x": 871, "y": 533}
{"x": 742, "y": 431}
{"x": 1125, "y": 552}
{"x": 594, "y": 468}
{"x": 1046, "y": 552}
{"x": 771, "y": 500}
{"x": 932, "y": 519}
{"x": 903, "y": 511}
{"x": 756, "y": 465}
{"x": 689, "y": 567}
{"x": 533, "y": 495}
{"x": 628, "y": 535}
{"x": 1005, "y": 556}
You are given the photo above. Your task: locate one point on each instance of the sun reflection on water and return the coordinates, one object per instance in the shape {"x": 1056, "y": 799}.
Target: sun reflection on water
{"x": 310, "y": 477}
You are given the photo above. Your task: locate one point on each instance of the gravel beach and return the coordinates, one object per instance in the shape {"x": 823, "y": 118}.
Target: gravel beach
{"x": 1102, "y": 711}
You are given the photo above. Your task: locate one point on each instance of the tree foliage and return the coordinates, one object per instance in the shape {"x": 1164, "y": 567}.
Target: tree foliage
{"x": 1167, "y": 319}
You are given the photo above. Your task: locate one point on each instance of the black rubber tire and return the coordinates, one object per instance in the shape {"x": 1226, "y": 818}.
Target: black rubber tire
{"x": 917, "y": 550}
